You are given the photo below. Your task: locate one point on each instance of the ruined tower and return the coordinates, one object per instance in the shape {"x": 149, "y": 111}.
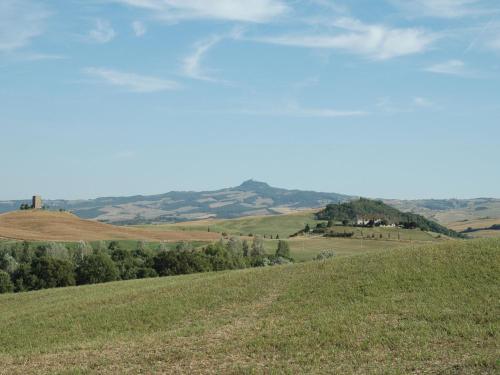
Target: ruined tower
{"x": 37, "y": 202}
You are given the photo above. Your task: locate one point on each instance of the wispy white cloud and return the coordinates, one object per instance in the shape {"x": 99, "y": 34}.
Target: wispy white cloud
{"x": 322, "y": 112}
{"x": 451, "y": 67}
{"x": 139, "y": 28}
{"x": 20, "y": 22}
{"x": 192, "y": 64}
{"x": 102, "y": 32}
{"x": 374, "y": 41}
{"x": 443, "y": 8}
{"x": 131, "y": 82}
{"x": 422, "y": 102}
{"x": 233, "y": 10}
{"x": 34, "y": 56}
{"x": 333, "y": 6}
{"x": 295, "y": 110}
{"x": 494, "y": 43}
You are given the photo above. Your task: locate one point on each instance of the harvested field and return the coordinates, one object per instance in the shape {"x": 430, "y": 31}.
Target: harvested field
{"x": 63, "y": 226}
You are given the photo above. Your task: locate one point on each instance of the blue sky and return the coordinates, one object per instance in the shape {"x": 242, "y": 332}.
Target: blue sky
{"x": 385, "y": 98}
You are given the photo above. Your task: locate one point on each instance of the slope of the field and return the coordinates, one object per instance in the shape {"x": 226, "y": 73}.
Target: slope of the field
{"x": 480, "y": 227}
{"x": 39, "y": 225}
{"x": 446, "y": 211}
{"x": 426, "y": 310}
{"x": 282, "y": 225}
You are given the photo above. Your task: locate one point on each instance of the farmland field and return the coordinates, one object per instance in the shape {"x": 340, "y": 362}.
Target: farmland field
{"x": 282, "y": 225}
{"x": 62, "y": 226}
{"x": 431, "y": 309}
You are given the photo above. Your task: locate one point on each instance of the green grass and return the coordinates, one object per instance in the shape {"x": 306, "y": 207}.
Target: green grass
{"x": 282, "y": 225}
{"x": 431, "y": 309}
{"x": 306, "y": 248}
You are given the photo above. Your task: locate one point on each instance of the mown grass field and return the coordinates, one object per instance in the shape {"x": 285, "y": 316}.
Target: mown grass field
{"x": 307, "y": 248}
{"x": 282, "y": 225}
{"x": 432, "y": 309}
{"x": 480, "y": 225}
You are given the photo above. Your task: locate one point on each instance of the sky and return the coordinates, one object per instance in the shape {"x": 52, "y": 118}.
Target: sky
{"x": 377, "y": 98}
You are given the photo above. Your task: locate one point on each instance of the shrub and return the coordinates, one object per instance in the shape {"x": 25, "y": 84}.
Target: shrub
{"x": 8, "y": 263}
{"x": 283, "y": 249}
{"x": 169, "y": 263}
{"x": 325, "y": 254}
{"x": 96, "y": 268}
{"x": 52, "y": 273}
{"x": 6, "y": 285}
{"x": 280, "y": 260}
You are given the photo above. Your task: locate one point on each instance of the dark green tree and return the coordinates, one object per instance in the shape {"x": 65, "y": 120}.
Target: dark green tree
{"x": 257, "y": 247}
{"x": 246, "y": 248}
{"x": 283, "y": 249}
{"x": 96, "y": 268}
{"x": 52, "y": 273}
{"x": 6, "y": 285}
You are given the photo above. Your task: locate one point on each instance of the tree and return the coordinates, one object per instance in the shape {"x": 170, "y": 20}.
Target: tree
{"x": 8, "y": 263}
{"x": 126, "y": 263}
{"x": 83, "y": 249}
{"x": 235, "y": 247}
{"x": 113, "y": 245}
{"x": 169, "y": 263}
{"x": 283, "y": 249}
{"x": 52, "y": 273}
{"x": 6, "y": 285}
{"x": 246, "y": 248}
{"x": 96, "y": 268}
{"x": 257, "y": 247}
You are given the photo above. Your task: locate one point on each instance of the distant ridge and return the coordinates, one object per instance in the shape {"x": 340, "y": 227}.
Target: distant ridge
{"x": 250, "y": 198}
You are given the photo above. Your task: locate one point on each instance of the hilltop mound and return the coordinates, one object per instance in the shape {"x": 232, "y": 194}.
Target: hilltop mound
{"x": 367, "y": 209}
{"x": 425, "y": 310}
{"x": 63, "y": 226}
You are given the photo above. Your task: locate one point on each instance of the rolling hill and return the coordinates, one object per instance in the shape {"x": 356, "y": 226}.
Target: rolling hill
{"x": 427, "y": 310}
{"x": 248, "y": 199}
{"x": 40, "y": 225}
{"x": 251, "y": 198}
{"x": 367, "y": 209}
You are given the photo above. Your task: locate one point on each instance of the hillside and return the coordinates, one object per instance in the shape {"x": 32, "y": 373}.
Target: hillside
{"x": 39, "y": 225}
{"x": 367, "y": 209}
{"x": 249, "y": 198}
{"x": 448, "y": 211}
{"x": 427, "y": 310}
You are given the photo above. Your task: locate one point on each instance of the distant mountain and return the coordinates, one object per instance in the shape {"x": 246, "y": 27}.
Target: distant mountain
{"x": 373, "y": 210}
{"x": 450, "y": 210}
{"x": 249, "y": 198}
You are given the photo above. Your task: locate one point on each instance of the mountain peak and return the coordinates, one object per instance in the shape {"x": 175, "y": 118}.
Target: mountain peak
{"x": 253, "y": 185}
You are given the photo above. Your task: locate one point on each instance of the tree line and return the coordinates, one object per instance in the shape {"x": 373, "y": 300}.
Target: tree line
{"x": 53, "y": 265}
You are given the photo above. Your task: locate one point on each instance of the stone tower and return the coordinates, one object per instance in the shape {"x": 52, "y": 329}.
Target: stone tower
{"x": 37, "y": 202}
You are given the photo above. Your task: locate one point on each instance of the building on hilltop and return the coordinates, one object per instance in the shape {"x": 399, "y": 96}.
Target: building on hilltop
{"x": 37, "y": 202}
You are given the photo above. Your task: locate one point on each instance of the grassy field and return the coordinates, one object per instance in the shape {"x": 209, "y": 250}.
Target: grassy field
{"x": 433, "y": 309}
{"x": 480, "y": 225}
{"x": 282, "y": 225}
{"x": 307, "y": 248}
{"x": 38, "y": 225}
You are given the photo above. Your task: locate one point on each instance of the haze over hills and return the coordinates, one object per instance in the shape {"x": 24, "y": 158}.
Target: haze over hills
{"x": 248, "y": 199}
